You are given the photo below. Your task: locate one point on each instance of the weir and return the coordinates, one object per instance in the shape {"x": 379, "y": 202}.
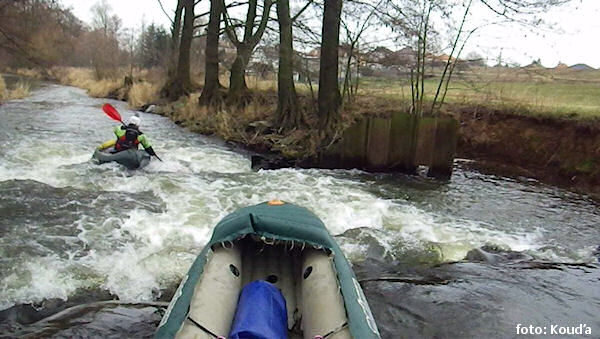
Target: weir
{"x": 400, "y": 143}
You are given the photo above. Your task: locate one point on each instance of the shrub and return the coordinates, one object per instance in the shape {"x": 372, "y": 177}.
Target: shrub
{"x": 21, "y": 90}
{"x": 143, "y": 93}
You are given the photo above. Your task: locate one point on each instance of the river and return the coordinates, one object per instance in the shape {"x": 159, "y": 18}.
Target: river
{"x": 75, "y": 233}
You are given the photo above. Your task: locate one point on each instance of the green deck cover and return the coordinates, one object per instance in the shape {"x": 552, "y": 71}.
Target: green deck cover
{"x": 283, "y": 222}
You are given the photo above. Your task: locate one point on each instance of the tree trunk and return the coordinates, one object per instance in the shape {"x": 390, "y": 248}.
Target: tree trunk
{"x": 175, "y": 36}
{"x": 288, "y": 114}
{"x": 181, "y": 83}
{"x": 329, "y": 92}
{"x": 346, "y": 90}
{"x": 183, "y": 64}
{"x": 210, "y": 92}
{"x": 237, "y": 80}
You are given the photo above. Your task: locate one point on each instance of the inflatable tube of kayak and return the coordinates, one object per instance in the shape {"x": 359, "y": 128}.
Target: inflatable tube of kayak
{"x": 286, "y": 246}
{"x": 131, "y": 158}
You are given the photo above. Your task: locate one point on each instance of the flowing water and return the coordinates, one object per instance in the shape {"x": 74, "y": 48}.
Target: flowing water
{"x": 73, "y": 230}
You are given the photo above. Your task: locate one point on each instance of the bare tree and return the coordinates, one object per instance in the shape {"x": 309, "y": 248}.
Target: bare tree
{"x": 107, "y": 27}
{"x": 180, "y": 83}
{"x": 38, "y": 33}
{"x": 104, "y": 20}
{"x": 210, "y": 92}
{"x": 413, "y": 20}
{"x": 288, "y": 113}
{"x": 252, "y": 35}
{"x": 329, "y": 93}
{"x": 356, "y": 19}
{"x": 175, "y": 37}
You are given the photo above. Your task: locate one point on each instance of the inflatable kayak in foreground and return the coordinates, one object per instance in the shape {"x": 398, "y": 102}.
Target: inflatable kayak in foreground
{"x": 131, "y": 158}
{"x": 269, "y": 271}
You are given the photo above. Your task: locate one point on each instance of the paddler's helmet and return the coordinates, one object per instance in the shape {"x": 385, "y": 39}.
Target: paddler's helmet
{"x": 134, "y": 120}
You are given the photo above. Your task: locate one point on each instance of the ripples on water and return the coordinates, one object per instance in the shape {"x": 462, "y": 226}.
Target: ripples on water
{"x": 67, "y": 224}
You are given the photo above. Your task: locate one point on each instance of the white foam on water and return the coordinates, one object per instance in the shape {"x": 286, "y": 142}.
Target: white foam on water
{"x": 456, "y": 237}
{"x": 38, "y": 279}
{"x": 207, "y": 160}
{"x": 136, "y": 270}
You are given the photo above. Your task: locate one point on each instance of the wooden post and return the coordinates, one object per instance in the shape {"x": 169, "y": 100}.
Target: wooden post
{"x": 378, "y": 144}
{"x": 355, "y": 145}
{"x": 402, "y": 143}
{"x": 445, "y": 140}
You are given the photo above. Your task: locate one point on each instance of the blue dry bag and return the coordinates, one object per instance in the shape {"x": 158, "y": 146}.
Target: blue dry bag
{"x": 260, "y": 314}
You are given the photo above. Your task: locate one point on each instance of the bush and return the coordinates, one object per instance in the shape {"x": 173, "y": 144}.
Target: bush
{"x": 143, "y": 93}
{"x": 86, "y": 79}
{"x": 21, "y": 90}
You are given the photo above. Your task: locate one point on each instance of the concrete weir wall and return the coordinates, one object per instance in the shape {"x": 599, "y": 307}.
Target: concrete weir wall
{"x": 397, "y": 144}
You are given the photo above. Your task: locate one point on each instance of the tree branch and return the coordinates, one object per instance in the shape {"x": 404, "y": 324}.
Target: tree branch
{"x": 163, "y": 9}
{"x": 229, "y": 28}
{"x": 302, "y": 10}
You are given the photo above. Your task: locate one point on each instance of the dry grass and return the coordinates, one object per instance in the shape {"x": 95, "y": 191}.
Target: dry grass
{"x": 102, "y": 88}
{"x": 223, "y": 121}
{"x": 85, "y": 78}
{"x": 156, "y": 75}
{"x": 204, "y": 120}
{"x": 30, "y": 73}
{"x": 259, "y": 84}
{"x": 143, "y": 93}
{"x": 2, "y": 88}
{"x": 21, "y": 90}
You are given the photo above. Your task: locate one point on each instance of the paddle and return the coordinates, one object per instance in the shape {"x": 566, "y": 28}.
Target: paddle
{"x": 114, "y": 114}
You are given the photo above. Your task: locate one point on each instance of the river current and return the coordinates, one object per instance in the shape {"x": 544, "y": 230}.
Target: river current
{"x": 68, "y": 225}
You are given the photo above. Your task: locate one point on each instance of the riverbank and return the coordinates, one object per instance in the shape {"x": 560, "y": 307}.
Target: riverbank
{"x": 507, "y": 139}
{"x": 559, "y": 151}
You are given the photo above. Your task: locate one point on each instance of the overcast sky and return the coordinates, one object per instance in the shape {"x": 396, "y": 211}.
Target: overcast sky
{"x": 574, "y": 38}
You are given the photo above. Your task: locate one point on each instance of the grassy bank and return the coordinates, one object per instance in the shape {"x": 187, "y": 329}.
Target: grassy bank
{"x": 540, "y": 92}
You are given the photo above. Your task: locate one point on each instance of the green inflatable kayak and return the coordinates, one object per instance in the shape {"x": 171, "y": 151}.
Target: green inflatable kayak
{"x": 286, "y": 246}
{"x": 131, "y": 158}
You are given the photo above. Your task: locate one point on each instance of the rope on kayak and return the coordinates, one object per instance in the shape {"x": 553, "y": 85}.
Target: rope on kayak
{"x": 270, "y": 243}
{"x": 204, "y": 328}
{"x": 341, "y": 327}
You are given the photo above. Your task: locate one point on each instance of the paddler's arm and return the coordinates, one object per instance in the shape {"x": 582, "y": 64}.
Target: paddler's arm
{"x": 119, "y": 132}
{"x": 107, "y": 144}
{"x": 144, "y": 141}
